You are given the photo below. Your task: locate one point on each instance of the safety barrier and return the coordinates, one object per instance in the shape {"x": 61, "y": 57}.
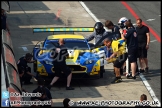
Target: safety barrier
{"x": 9, "y": 70}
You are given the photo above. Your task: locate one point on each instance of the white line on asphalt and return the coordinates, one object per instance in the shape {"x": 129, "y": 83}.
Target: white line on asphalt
{"x": 159, "y": 15}
{"x": 25, "y": 48}
{"x": 91, "y": 14}
{"x": 153, "y": 41}
{"x": 142, "y": 77}
{"x": 150, "y": 19}
{"x": 150, "y": 90}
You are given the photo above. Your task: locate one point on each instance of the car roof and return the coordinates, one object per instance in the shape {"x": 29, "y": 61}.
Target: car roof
{"x": 65, "y": 36}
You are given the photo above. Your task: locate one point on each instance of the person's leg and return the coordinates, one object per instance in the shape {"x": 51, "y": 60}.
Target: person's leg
{"x": 133, "y": 68}
{"x": 117, "y": 67}
{"x": 141, "y": 61}
{"x": 68, "y": 73}
{"x": 132, "y": 56}
{"x": 117, "y": 72}
{"x": 27, "y": 77}
{"x": 117, "y": 78}
{"x": 57, "y": 76}
{"x": 69, "y": 79}
{"x": 145, "y": 60}
{"x": 54, "y": 80}
{"x": 101, "y": 71}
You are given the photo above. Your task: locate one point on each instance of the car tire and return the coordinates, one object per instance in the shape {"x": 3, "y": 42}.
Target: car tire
{"x": 101, "y": 74}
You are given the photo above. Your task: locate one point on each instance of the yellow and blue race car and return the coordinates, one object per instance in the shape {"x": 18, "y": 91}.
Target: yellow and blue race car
{"x": 84, "y": 58}
{"x": 82, "y": 61}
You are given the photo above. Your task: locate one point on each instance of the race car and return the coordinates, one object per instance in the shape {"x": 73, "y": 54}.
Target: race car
{"x": 81, "y": 60}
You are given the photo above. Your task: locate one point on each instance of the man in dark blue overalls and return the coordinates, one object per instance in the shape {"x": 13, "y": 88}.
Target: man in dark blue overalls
{"x": 24, "y": 70}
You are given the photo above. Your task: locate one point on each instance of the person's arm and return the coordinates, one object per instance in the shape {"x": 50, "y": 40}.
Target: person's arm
{"x": 148, "y": 38}
{"x": 32, "y": 61}
{"x": 122, "y": 34}
{"x": 126, "y": 36}
{"x": 91, "y": 37}
{"x": 29, "y": 73}
{"x": 112, "y": 56}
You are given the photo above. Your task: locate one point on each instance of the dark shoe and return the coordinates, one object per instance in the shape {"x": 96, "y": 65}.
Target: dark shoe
{"x": 137, "y": 73}
{"x": 146, "y": 70}
{"x": 117, "y": 80}
{"x": 133, "y": 77}
{"x": 49, "y": 87}
{"x": 129, "y": 76}
{"x": 69, "y": 88}
{"x": 142, "y": 71}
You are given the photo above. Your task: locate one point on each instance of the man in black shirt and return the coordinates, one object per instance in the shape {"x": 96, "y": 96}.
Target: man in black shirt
{"x": 132, "y": 45}
{"x": 60, "y": 64}
{"x": 143, "y": 44}
{"x": 24, "y": 70}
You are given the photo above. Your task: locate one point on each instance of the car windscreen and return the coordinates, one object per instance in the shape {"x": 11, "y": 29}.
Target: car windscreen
{"x": 69, "y": 43}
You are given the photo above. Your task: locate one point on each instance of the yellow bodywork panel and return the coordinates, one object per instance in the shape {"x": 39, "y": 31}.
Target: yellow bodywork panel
{"x": 41, "y": 69}
{"x": 66, "y": 36}
{"x": 96, "y": 68}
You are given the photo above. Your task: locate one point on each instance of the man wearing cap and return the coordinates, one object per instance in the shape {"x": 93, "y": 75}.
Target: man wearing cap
{"x": 24, "y": 70}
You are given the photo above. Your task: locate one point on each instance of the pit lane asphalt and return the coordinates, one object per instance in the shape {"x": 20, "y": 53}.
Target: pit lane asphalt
{"x": 145, "y": 10}
{"x": 26, "y": 15}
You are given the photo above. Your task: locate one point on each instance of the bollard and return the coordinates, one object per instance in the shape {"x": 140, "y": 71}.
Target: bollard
{"x": 127, "y": 64}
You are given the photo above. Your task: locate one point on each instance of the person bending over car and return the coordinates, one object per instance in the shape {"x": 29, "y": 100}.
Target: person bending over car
{"x": 97, "y": 35}
{"x": 121, "y": 56}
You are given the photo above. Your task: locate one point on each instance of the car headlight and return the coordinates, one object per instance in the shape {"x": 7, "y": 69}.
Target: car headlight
{"x": 89, "y": 62}
{"x": 48, "y": 62}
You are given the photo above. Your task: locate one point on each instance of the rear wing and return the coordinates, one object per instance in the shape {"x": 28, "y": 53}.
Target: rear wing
{"x": 64, "y": 29}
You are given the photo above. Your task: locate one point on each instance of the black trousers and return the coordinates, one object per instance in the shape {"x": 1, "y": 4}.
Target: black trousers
{"x": 26, "y": 77}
